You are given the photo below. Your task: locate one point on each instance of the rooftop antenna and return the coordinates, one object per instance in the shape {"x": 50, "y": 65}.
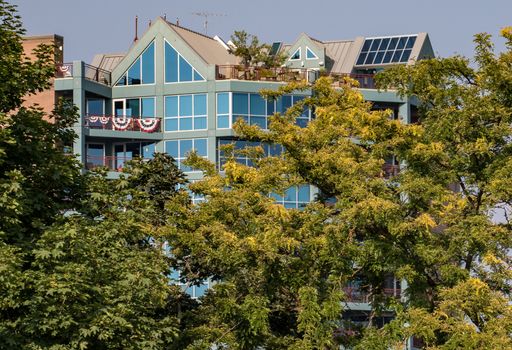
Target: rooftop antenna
{"x": 136, "y": 28}
{"x": 206, "y": 15}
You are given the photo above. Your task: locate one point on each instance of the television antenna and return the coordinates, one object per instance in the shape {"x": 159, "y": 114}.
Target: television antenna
{"x": 206, "y": 15}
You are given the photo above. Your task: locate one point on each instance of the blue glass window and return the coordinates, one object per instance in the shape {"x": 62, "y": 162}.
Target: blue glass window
{"x": 95, "y": 106}
{"x": 185, "y": 70}
{"x": 179, "y": 150}
{"x": 296, "y": 197}
{"x": 310, "y": 55}
{"x": 148, "y": 107}
{"x": 134, "y": 73}
{"x": 142, "y": 70}
{"x": 186, "y": 112}
{"x": 240, "y": 104}
{"x": 296, "y": 55}
{"x": 177, "y": 69}
{"x": 171, "y": 64}
{"x": 223, "y": 112}
{"x": 148, "y": 65}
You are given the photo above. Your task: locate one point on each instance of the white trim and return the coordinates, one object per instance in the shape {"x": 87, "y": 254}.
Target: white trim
{"x": 124, "y": 99}
{"x": 191, "y": 65}
{"x": 230, "y": 107}
{"x": 293, "y": 54}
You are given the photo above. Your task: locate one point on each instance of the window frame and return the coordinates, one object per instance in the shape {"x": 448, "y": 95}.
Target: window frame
{"x": 299, "y": 50}
{"x": 194, "y": 70}
{"x": 179, "y": 159}
{"x": 179, "y": 117}
{"x": 314, "y": 54}
{"x": 139, "y": 59}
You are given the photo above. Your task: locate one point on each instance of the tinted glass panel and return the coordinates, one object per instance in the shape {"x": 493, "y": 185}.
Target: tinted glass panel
{"x": 186, "y": 123}
{"x": 223, "y": 103}
{"x": 200, "y": 147}
{"x": 200, "y": 123}
{"x": 369, "y": 58}
{"x": 171, "y": 147}
{"x": 296, "y": 55}
{"x": 405, "y": 56}
{"x": 95, "y": 106}
{"x": 401, "y": 43}
{"x": 171, "y": 64}
{"x": 186, "y": 105}
{"x": 396, "y": 56}
{"x": 148, "y": 107}
{"x": 379, "y": 57}
{"x": 384, "y": 44}
{"x": 122, "y": 81}
{"x": 223, "y": 122}
{"x": 134, "y": 73}
{"x": 392, "y": 43}
{"x": 257, "y": 105}
{"x": 148, "y": 65}
{"x": 133, "y": 107}
{"x": 240, "y": 104}
{"x": 310, "y": 54}
{"x": 410, "y": 42}
{"x": 197, "y": 76}
{"x": 375, "y": 44}
{"x": 171, "y": 106}
{"x": 367, "y": 45}
{"x": 361, "y": 58}
{"x": 185, "y": 147}
{"x": 185, "y": 70}
{"x": 290, "y": 194}
{"x": 387, "y": 57}
{"x": 200, "y": 105}
{"x": 304, "y": 193}
{"x": 171, "y": 124}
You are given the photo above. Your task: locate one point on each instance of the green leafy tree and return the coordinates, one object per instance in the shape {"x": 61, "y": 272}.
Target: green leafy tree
{"x": 82, "y": 261}
{"x": 252, "y": 52}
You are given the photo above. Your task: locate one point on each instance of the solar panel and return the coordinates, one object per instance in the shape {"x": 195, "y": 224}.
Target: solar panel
{"x": 386, "y": 50}
{"x": 276, "y": 46}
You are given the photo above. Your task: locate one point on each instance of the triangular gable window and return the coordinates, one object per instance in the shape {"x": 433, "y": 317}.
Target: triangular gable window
{"x": 296, "y": 55}
{"x": 310, "y": 55}
{"x": 142, "y": 71}
{"x": 177, "y": 68}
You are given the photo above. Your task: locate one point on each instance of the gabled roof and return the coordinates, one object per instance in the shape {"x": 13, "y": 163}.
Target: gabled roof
{"x": 210, "y": 50}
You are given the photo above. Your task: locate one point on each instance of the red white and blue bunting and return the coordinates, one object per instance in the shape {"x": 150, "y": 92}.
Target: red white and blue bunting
{"x": 148, "y": 124}
{"x": 121, "y": 123}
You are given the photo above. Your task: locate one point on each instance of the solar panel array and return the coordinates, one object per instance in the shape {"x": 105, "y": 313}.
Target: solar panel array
{"x": 395, "y": 49}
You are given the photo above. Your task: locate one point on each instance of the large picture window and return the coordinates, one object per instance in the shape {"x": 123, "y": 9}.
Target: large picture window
{"x": 255, "y": 110}
{"x": 180, "y": 149}
{"x": 142, "y": 70}
{"x": 186, "y": 112}
{"x": 177, "y": 68}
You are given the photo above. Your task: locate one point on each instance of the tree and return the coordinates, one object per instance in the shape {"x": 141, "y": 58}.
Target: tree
{"x": 281, "y": 273}
{"x": 82, "y": 261}
{"x": 251, "y": 52}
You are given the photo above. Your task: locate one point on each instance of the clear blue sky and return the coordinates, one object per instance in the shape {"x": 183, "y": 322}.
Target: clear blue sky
{"x": 100, "y": 26}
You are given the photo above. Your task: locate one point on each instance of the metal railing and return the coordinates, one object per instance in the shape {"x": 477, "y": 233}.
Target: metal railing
{"x": 122, "y": 123}
{"x": 240, "y": 72}
{"x": 97, "y": 74}
{"x": 390, "y": 170}
{"x": 102, "y": 76}
{"x": 286, "y": 74}
{"x": 113, "y": 163}
{"x": 357, "y": 295}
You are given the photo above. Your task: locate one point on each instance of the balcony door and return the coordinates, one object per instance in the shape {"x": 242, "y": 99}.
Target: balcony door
{"x": 125, "y": 152}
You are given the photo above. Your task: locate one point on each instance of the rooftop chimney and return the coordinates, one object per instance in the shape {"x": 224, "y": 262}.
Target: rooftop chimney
{"x": 136, "y": 28}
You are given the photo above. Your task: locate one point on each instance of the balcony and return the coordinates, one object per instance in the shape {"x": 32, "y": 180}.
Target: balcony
{"x": 112, "y": 163}
{"x": 123, "y": 123}
{"x": 285, "y": 74}
{"x": 66, "y": 70}
{"x": 357, "y": 295}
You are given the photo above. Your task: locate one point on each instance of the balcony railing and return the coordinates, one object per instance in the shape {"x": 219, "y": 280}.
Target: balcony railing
{"x": 285, "y": 74}
{"x": 97, "y": 74}
{"x": 254, "y": 73}
{"x": 123, "y": 123}
{"x": 65, "y": 70}
{"x": 111, "y": 162}
{"x": 390, "y": 170}
{"x": 357, "y": 295}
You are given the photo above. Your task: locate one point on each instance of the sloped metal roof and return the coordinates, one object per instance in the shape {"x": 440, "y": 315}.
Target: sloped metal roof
{"x": 338, "y": 52}
{"x": 210, "y": 50}
{"x": 107, "y": 61}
